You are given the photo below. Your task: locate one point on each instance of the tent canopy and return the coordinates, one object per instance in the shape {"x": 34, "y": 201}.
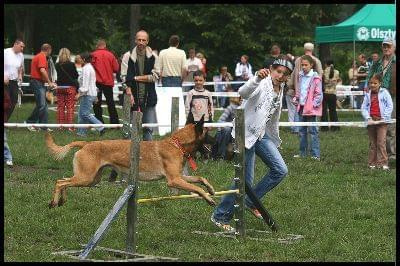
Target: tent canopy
{"x": 372, "y": 23}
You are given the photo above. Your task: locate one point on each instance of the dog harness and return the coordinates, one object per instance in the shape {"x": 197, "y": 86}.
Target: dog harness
{"x": 189, "y": 158}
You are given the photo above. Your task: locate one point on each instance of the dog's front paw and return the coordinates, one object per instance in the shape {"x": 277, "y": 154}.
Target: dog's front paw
{"x": 52, "y": 204}
{"x": 61, "y": 202}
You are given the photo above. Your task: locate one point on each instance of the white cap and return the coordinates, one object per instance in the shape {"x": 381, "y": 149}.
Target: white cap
{"x": 308, "y": 46}
{"x": 390, "y": 41}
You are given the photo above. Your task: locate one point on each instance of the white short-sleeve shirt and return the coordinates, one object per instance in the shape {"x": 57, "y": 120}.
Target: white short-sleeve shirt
{"x": 12, "y": 62}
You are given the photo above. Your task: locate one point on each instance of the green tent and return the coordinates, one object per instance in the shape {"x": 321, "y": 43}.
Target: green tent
{"x": 372, "y": 23}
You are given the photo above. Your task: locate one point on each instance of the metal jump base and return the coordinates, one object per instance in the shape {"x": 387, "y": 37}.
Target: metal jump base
{"x": 121, "y": 256}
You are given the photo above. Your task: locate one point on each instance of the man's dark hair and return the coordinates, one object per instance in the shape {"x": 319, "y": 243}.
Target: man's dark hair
{"x": 174, "y": 40}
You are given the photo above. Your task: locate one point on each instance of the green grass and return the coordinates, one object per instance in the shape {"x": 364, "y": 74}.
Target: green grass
{"x": 345, "y": 211}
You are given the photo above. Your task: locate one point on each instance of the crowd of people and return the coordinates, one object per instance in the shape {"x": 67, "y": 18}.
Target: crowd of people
{"x": 307, "y": 88}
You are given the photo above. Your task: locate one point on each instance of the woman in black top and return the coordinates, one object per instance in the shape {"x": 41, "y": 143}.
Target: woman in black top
{"x": 67, "y": 86}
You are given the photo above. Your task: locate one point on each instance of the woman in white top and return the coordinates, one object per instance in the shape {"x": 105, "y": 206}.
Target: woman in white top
{"x": 87, "y": 96}
{"x": 262, "y": 96}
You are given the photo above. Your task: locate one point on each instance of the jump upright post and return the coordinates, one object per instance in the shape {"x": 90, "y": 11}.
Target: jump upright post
{"x": 239, "y": 172}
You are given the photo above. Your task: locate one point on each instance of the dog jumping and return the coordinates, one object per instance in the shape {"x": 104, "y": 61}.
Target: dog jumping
{"x": 158, "y": 159}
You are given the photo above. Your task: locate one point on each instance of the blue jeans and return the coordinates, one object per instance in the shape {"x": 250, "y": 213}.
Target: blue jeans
{"x": 85, "y": 116}
{"x": 7, "y": 152}
{"x": 40, "y": 113}
{"x": 292, "y": 113}
{"x": 149, "y": 116}
{"x": 313, "y": 130}
{"x": 171, "y": 82}
{"x": 269, "y": 154}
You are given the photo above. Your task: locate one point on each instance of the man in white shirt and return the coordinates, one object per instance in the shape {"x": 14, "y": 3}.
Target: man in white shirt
{"x": 13, "y": 71}
{"x": 172, "y": 64}
{"x": 243, "y": 71}
{"x": 193, "y": 64}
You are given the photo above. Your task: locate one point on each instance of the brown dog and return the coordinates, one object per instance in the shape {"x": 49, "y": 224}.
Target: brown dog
{"x": 158, "y": 159}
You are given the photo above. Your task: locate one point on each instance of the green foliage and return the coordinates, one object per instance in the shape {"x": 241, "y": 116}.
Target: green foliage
{"x": 345, "y": 211}
{"x": 222, "y": 32}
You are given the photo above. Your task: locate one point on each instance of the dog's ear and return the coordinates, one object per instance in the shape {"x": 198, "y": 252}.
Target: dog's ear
{"x": 199, "y": 126}
{"x": 190, "y": 119}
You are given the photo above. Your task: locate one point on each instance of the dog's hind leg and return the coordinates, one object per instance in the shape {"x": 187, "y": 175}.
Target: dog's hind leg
{"x": 199, "y": 179}
{"x": 178, "y": 182}
{"x": 63, "y": 184}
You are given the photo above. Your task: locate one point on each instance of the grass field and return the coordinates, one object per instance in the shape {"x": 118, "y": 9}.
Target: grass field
{"x": 345, "y": 211}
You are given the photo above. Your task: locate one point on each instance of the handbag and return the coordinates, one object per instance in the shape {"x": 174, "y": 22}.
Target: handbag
{"x": 75, "y": 82}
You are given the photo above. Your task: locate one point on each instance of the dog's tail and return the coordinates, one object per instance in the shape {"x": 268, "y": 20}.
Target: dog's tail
{"x": 59, "y": 152}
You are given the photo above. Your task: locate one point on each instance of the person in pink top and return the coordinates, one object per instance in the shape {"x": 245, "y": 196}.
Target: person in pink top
{"x": 309, "y": 105}
{"x": 105, "y": 64}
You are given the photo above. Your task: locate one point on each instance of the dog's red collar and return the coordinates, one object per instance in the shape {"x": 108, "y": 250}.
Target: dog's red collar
{"x": 185, "y": 153}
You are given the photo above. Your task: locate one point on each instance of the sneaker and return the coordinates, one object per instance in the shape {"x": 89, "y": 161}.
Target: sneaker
{"x": 372, "y": 167}
{"x": 255, "y": 212}
{"x": 32, "y": 129}
{"x": 227, "y": 228}
{"x": 9, "y": 163}
{"x": 385, "y": 167}
{"x": 296, "y": 156}
{"x": 316, "y": 158}
{"x": 48, "y": 130}
{"x": 102, "y": 132}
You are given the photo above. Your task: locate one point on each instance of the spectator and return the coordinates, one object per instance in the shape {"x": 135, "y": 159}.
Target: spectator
{"x": 78, "y": 65}
{"x": 243, "y": 70}
{"x": 39, "y": 75}
{"x": 275, "y": 52}
{"x": 193, "y": 64}
{"x": 361, "y": 75}
{"x": 374, "y": 58}
{"x": 377, "y": 106}
{"x": 13, "y": 71}
{"x": 309, "y": 105}
{"x": 308, "y": 50}
{"x": 105, "y": 65}
{"x": 8, "y": 160}
{"x": 265, "y": 90}
{"x": 88, "y": 94}
{"x": 172, "y": 64}
{"x": 142, "y": 74}
{"x": 386, "y": 66}
{"x": 331, "y": 79}
{"x": 223, "y": 140}
{"x": 352, "y": 73}
{"x": 204, "y": 62}
{"x": 224, "y": 76}
{"x": 199, "y": 101}
{"x": 67, "y": 75}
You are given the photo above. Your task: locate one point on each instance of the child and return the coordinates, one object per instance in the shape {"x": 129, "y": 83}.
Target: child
{"x": 223, "y": 148}
{"x": 87, "y": 95}
{"x": 199, "y": 101}
{"x": 377, "y": 106}
{"x": 309, "y": 105}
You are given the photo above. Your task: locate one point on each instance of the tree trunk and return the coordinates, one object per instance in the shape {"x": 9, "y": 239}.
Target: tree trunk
{"x": 134, "y": 24}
